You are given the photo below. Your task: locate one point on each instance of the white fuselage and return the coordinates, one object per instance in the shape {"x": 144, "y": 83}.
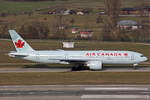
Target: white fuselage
{"x": 106, "y": 57}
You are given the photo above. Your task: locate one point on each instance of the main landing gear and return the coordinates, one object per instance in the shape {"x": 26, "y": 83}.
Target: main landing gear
{"x": 78, "y": 67}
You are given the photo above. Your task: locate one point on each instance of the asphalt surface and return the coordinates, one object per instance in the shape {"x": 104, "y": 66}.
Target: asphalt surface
{"x": 75, "y": 92}
{"x": 64, "y": 69}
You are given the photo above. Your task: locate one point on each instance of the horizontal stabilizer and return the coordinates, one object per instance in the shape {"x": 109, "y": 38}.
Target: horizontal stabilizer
{"x": 18, "y": 55}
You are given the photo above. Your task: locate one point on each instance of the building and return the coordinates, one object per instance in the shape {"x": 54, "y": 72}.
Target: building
{"x": 68, "y": 44}
{"x": 75, "y": 29}
{"x": 147, "y": 10}
{"x": 86, "y": 33}
{"x": 128, "y": 24}
{"x": 80, "y": 13}
{"x": 127, "y": 11}
{"x": 69, "y": 12}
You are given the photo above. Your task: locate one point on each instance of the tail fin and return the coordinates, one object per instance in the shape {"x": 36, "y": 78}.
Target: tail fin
{"x": 20, "y": 44}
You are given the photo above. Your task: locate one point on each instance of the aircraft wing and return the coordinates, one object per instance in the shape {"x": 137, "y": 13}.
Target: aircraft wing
{"x": 75, "y": 61}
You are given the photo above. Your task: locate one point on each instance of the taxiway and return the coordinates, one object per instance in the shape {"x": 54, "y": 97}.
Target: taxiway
{"x": 64, "y": 69}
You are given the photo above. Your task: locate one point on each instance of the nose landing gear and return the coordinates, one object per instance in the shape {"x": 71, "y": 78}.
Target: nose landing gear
{"x": 135, "y": 66}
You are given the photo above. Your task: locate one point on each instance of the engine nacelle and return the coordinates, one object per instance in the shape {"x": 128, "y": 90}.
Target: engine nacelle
{"x": 95, "y": 65}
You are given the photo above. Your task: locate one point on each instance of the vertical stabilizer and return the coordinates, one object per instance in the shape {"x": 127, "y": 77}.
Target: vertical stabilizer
{"x": 20, "y": 44}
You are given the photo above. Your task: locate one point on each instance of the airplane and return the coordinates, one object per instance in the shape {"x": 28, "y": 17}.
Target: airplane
{"x": 94, "y": 60}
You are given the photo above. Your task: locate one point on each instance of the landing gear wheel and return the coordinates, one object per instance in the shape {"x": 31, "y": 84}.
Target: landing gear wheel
{"x": 79, "y": 67}
{"x": 135, "y": 66}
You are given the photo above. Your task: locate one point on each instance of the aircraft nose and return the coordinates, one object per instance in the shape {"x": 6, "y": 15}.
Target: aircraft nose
{"x": 145, "y": 58}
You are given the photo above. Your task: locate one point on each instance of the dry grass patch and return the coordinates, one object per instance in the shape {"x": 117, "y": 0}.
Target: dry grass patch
{"x": 74, "y": 78}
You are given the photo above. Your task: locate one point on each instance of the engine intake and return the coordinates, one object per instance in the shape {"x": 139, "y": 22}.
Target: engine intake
{"x": 95, "y": 65}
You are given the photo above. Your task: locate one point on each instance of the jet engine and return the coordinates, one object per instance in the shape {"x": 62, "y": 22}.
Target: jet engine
{"x": 95, "y": 65}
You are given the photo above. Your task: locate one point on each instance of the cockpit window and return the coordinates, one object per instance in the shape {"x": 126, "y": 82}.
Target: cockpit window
{"x": 142, "y": 55}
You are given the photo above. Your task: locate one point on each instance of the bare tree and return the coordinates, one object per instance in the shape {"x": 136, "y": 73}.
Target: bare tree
{"x": 99, "y": 19}
{"x": 41, "y": 29}
{"x": 4, "y": 27}
{"x": 72, "y": 21}
{"x": 143, "y": 31}
{"x": 112, "y": 9}
{"x": 36, "y": 29}
{"x": 59, "y": 27}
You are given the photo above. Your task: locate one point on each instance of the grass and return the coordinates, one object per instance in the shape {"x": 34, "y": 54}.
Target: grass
{"x": 84, "y": 22}
{"x": 17, "y": 7}
{"x": 15, "y": 22}
{"x": 74, "y": 78}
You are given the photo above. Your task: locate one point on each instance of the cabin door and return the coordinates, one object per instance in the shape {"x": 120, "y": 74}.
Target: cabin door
{"x": 37, "y": 56}
{"x": 132, "y": 57}
{"x": 66, "y": 56}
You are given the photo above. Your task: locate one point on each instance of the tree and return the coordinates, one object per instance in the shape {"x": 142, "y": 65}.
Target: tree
{"x": 72, "y": 21}
{"x": 36, "y": 30}
{"x": 59, "y": 27}
{"x": 4, "y": 27}
{"x": 112, "y": 9}
{"x": 143, "y": 31}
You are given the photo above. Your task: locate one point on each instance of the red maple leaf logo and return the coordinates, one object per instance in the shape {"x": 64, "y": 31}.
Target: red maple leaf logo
{"x": 125, "y": 54}
{"x": 19, "y": 44}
